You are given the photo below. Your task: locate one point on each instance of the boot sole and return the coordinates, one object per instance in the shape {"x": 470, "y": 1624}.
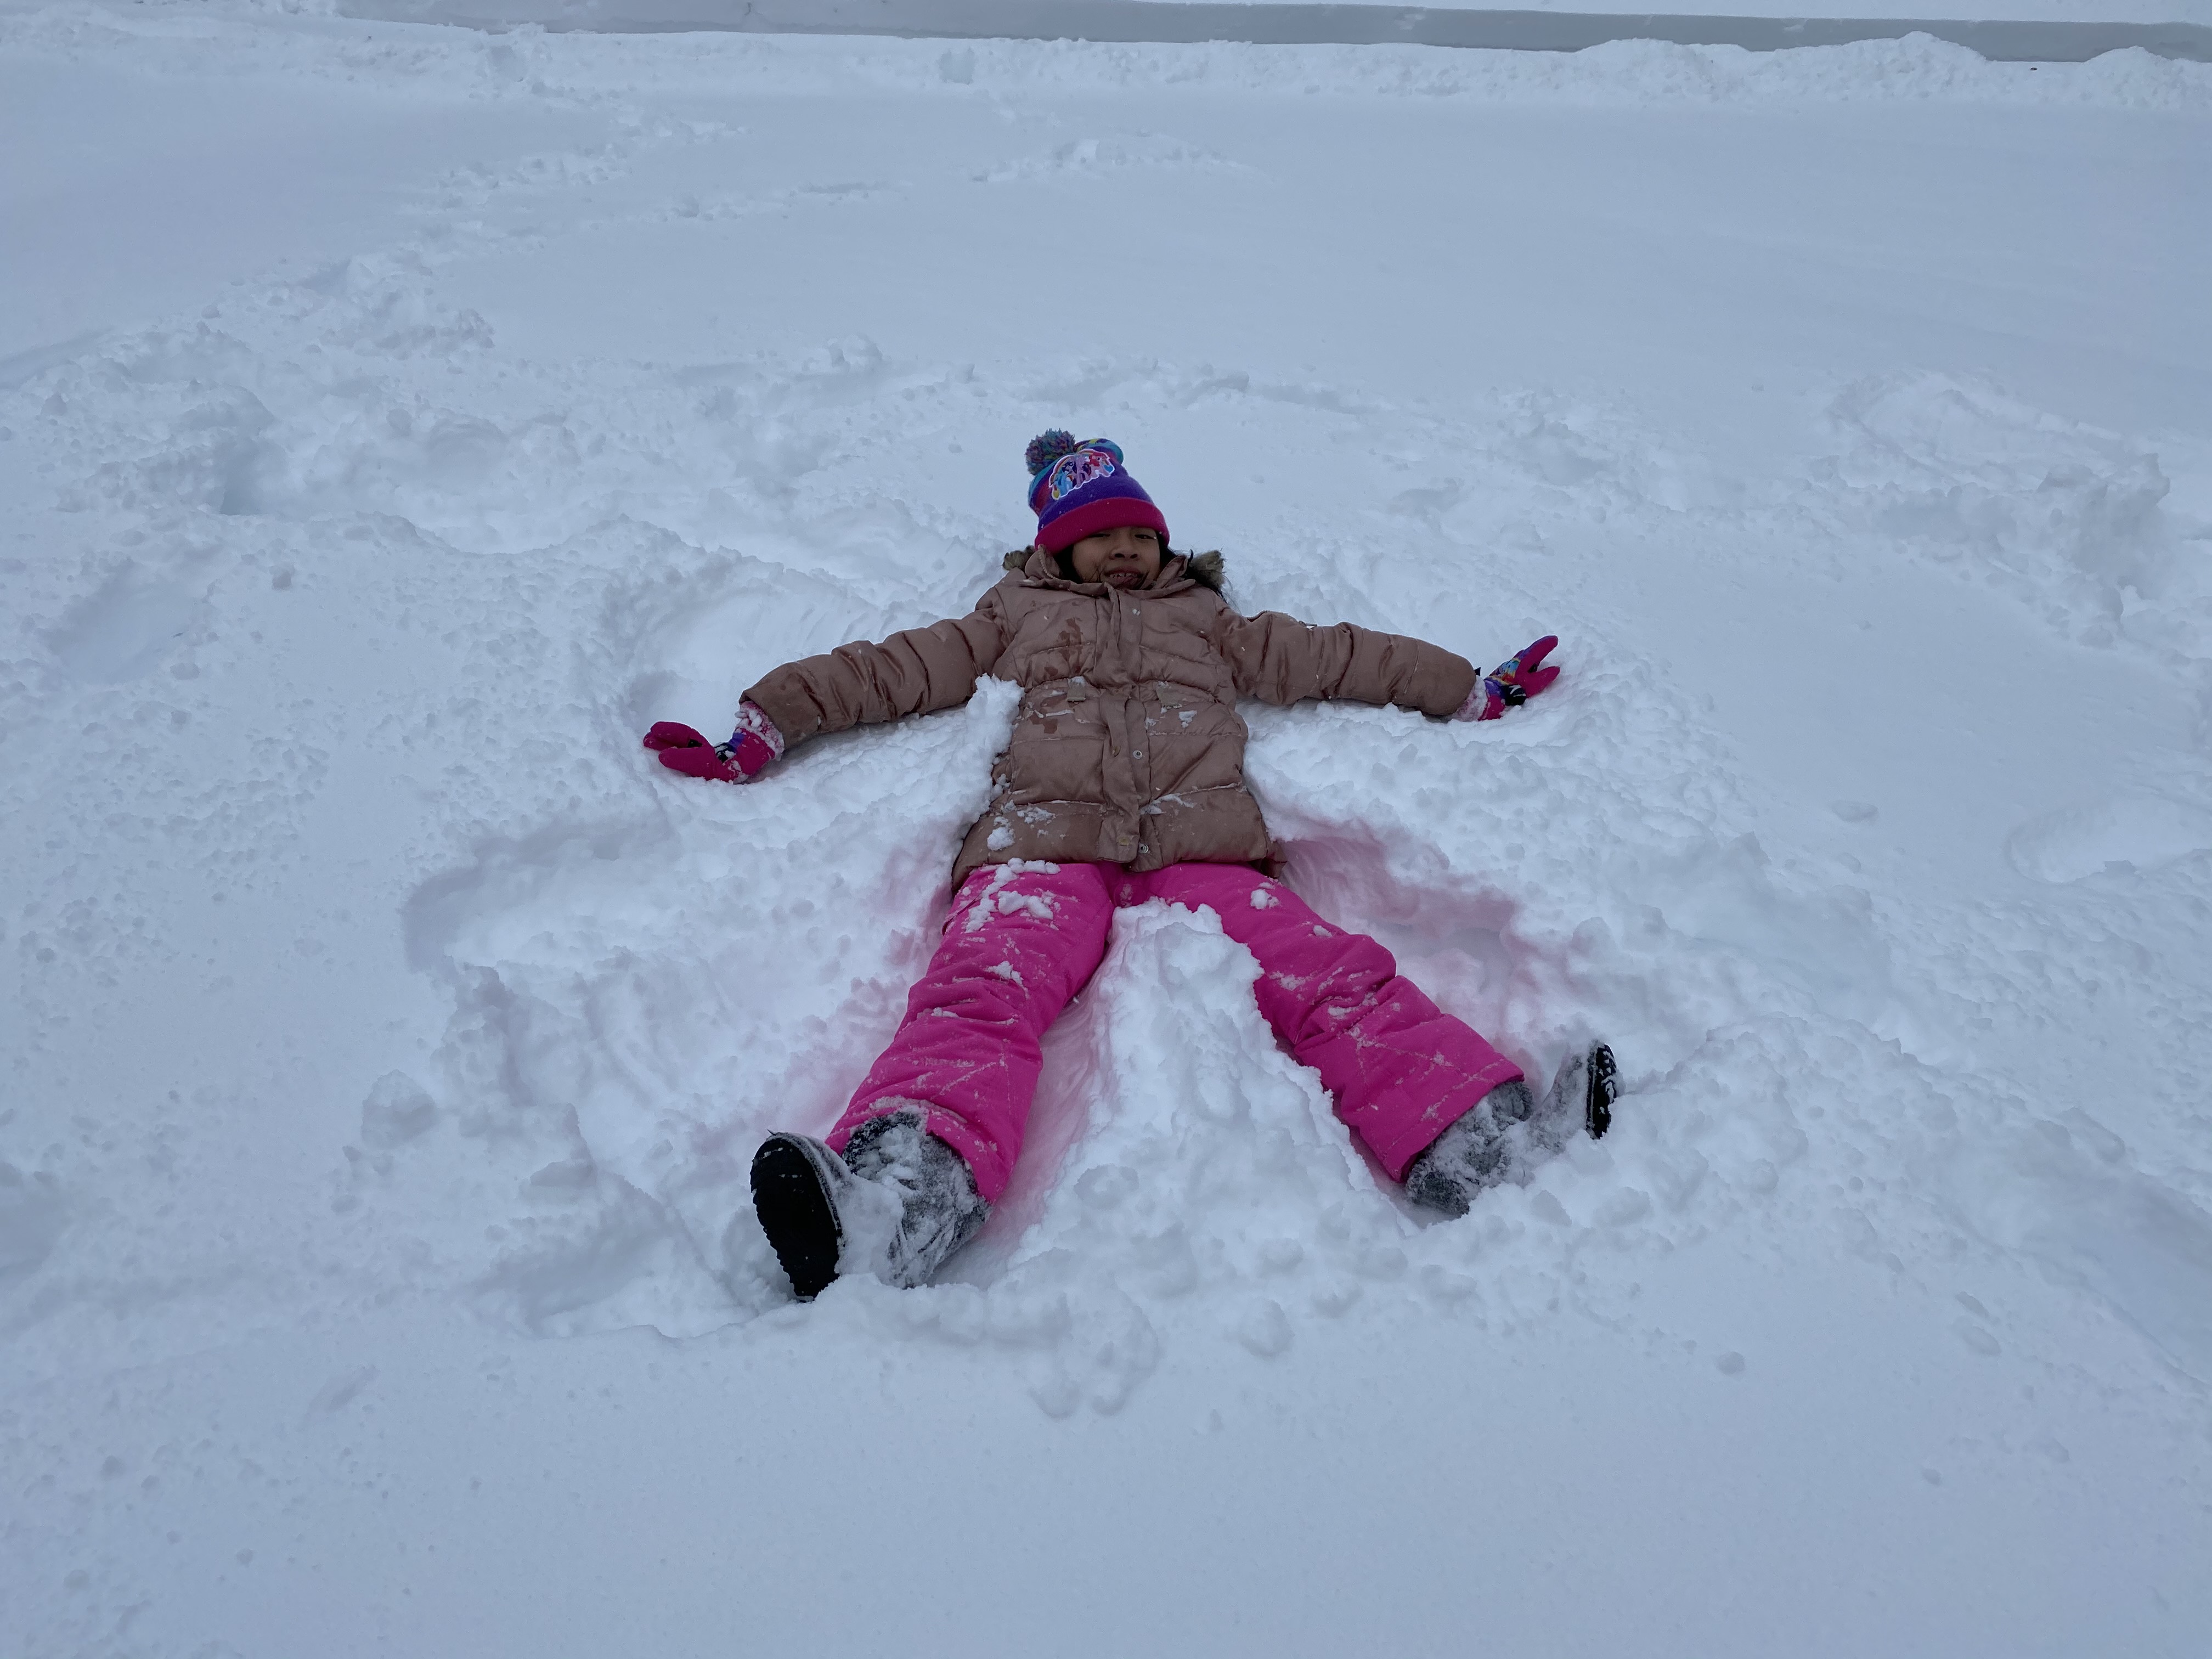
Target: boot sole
{"x": 796, "y": 1214}
{"x": 1604, "y": 1089}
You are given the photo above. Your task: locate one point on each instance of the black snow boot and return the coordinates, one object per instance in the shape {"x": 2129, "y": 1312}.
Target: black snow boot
{"x": 1508, "y": 1133}
{"x": 897, "y": 1204}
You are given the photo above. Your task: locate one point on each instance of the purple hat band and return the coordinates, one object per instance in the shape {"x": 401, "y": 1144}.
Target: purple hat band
{"x": 1086, "y": 490}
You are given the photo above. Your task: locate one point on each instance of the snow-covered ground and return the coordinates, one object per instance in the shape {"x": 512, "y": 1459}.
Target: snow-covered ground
{"x": 1023, "y": 19}
{"x": 1301, "y": 22}
{"x": 394, "y": 420}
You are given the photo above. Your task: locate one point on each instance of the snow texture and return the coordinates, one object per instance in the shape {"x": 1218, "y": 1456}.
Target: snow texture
{"x": 2026, "y": 30}
{"x": 395, "y": 421}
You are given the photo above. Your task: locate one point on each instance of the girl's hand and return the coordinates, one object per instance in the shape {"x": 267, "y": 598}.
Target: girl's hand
{"x": 684, "y": 748}
{"x": 1512, "y": 684}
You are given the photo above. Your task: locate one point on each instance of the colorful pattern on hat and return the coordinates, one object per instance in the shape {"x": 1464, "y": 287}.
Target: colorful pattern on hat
{"x": 1079, "y": 490}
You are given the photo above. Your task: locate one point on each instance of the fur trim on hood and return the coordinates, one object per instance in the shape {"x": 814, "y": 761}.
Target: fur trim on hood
{"x": 1203, "y": 569}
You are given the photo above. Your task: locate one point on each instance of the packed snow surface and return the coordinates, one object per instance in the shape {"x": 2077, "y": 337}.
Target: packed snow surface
{"x": 394, "y": 420}
{"x": 1543, "y": 24}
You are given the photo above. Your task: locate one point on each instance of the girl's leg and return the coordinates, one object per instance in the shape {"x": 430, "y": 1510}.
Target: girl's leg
{"x": 1403, "y": 1071}
{"x": 1021, "y": 941}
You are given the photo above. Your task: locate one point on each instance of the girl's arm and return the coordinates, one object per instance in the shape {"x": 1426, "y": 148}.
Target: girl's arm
{"x": 912, "y": 672}
{"x": 1280, "y": 660}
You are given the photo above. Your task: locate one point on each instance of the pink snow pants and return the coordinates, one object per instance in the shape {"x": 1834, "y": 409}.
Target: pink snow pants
{"x": 1022, "y": 941}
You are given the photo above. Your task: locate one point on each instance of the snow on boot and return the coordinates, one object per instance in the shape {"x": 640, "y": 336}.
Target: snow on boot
{"x": 1508, "y": 1134}
{"x": 897, "y": 1203}
{"x": 940, "y": 1209}
{"x": 1482, "y": 1149}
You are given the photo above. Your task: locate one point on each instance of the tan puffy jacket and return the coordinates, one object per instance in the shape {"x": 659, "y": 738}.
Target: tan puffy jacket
{"x": 1128, "y": 748}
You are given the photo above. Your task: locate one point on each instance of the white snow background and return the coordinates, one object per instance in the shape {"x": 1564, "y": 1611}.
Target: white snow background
{"x": 395, "y": 419}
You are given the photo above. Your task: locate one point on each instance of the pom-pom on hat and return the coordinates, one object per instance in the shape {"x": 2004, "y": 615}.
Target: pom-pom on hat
{"x": 1079, "y": 490}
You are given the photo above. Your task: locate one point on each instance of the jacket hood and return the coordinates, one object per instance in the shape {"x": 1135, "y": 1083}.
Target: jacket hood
{"x": 1181, "y": 570}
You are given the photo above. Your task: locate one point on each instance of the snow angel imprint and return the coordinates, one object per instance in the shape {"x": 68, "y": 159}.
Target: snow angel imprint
{"x": 1123, "y": 781}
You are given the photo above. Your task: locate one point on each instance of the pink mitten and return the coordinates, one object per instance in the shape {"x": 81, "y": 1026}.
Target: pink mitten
{"x": 684, "y": 748}
{"x": 1512, "y": 684}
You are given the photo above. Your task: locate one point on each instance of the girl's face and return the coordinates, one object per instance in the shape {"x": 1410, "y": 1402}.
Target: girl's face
{"x": 1127, "y": 558}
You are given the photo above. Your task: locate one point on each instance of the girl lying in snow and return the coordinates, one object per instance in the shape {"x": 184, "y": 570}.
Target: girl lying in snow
{"x": 1123, "y": 781}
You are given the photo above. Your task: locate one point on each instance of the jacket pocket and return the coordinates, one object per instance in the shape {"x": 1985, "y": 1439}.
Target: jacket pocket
{"x": 1060, "y": 745}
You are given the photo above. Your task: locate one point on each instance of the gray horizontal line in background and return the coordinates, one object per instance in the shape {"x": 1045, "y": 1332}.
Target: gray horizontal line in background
{"x": 1134, "y": 21}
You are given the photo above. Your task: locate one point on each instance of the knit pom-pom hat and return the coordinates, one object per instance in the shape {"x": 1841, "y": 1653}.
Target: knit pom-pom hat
{"x": 1079, "y": 490}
